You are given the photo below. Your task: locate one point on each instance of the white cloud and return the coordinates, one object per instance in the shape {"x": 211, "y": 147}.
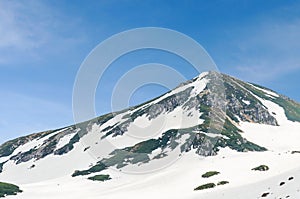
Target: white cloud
{"x": 16, "y": 29}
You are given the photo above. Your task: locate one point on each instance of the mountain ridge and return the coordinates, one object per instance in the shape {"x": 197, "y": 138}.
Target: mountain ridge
{"x": 8, "y": 147}
{"x": 204, "y": 116}
{"x": 70, "y": 125}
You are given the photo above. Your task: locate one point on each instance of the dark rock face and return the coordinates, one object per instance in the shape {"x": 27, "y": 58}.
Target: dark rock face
{"x": 1, "y": 166}
{"x": 48, "y": 147}
{"x": 222, "y": 94}
{"x": 8, "y": 148}
{"x": 243, "y": 104}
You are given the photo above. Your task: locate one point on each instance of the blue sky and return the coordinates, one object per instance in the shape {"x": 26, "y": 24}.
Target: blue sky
{"x": 43, "y": 43}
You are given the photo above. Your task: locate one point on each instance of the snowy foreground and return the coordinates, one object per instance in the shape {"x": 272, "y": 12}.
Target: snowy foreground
{"x": 179, "y": 180}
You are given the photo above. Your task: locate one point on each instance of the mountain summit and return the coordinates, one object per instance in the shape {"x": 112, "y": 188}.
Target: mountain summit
{"x": 213, "y": 131}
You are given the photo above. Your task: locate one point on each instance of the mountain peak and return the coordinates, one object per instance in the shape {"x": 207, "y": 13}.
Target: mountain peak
{"x": 203, "y": 116}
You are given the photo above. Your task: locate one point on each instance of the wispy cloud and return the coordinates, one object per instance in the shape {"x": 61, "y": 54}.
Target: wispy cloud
{"x": 20, "y": 27}
{"x": 28, "y": 26}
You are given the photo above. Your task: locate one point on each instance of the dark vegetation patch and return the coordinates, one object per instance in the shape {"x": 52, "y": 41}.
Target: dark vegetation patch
{"x": 281, "y": 183}
{"x": 261, "y": 168}
{"x": 205, "y": 186}
{"x": 222, "y": 183}
{"x": 210, "y": 174}
{"x": 295, "y": 152}
{"x": 100, "y": 178}
{"x": 97, "y": 168}
{"x": 265, "y": 194}
{"x": 8, "y": 189}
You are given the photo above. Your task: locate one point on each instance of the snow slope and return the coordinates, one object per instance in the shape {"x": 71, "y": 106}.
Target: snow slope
{"x": 179, "y": 180}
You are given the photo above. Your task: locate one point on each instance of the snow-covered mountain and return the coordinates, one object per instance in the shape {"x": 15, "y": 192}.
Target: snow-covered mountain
{"x": 212, "y": 137}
